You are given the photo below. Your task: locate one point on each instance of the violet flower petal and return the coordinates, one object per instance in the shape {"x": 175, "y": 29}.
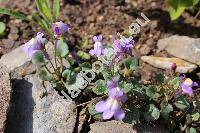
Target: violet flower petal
{"x": 119, "y": 114}
{"x": 107, "y": 114}
{"x": 101, "y": 106}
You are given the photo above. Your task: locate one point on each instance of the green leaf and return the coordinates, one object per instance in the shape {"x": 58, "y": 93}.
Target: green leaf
{"x": 182, "y": 103}
{"x": 62, "y": 48}
{"x": 84, "y": 42}
{"x": 166, "y": 108}
{"x": 100, "y": 87}
{"x": 2, "y": 28}
{"x": 175, "y": 82}
{"x": 131, "y": 63}
{"x": 66, "y": 73}
{"x": 83, "y": 55}
{"x": 56, "y": 8}
{"x": 176, "y": 13}
{"x": 106, "y": 73}
{"x": 195, "y": 2}
{"x": 41, "y": 22}
{"x": 195, "y": 116}
{"x": 86, "y": 66}
{"x": 191, "y": 130}
{"x": 14, "y": 14}
{"x": 38, "y": 58}
{"x": 132, "y": 115}
{"x": 160, "y": 78}
{"x": 152, "y": 113}
{"x": 126, "y": 87}
{"x": 151, "y": 92}
{"x": 45, "y": 9}
{"x": 44, "y": 75}
{"x": 93, "y": 112}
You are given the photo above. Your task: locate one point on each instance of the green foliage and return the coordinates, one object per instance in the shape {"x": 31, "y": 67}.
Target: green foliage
{"x": 160, "y": 78}
{"x": 151, "y": 92}
{"x": 41, "y": 22}
{"x": 100, "y": 87}
{"x": 132, "y": 115}
{"x": 195, "y": 116}
{"x": 126, "y": 87}
{"x": 44, "y": 75}
{"x": 152, "y": 113}
{"x": 38, "y": 58}
{"x": 66, "y": 73}
{"x": 91, "y": 109}
{"x": 175, "y": 82}
{"x": 83, "y": 55}
{"x": 45, "y": 9}
{"x": 131, "y": 63}
{"x": 2, "y": 28}
{"x": 182, "y": 103}
{"x": 177, "y": 7}
{"x": 62, "y": 48}
{"x": 56, "y": 8}
{"x": 191, "y": 130}
{"x": 13, "y": 13}
{"x": 166, "y": 108}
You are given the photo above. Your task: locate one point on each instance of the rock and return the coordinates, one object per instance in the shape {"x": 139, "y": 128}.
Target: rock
{"x": 111, "y": 127}
{"x": 144, "y": 50}
{"x": 182, "y": 47}
{"x": 79, "y": 20}
{"x": 8, "y": 43}
{"x": 5, "y": 92}
{"x": 166, "y": 63}
{"x": 13, "y": 36}
{"x": 29, "y": 113}
{"x": 14, "y": 59}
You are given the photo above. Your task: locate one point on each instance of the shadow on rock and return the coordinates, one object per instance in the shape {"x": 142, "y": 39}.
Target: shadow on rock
{"x": 20, "y": 115}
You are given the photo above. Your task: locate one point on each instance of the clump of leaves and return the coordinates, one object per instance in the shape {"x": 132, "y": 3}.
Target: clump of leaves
{"x": 177, "y": 7}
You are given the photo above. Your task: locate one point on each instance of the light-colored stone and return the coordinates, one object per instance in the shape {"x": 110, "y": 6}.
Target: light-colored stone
{"x": 111, "y": 127}
{"x": 182, "y": 47}
{"x": 14, "y": 59}
{"x": 31, "y": 114}
{"x": 166, "y": 63}
{"x": 5, "y": 93}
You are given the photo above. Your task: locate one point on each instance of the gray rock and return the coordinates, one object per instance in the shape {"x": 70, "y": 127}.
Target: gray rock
{"x": 31, "y": 114}
{"x": 111, "y": 127}
{"x": 14, "y": 59}
{"x": 166, "y": 63}
{"x": 5, "y": 93}
{"x": 181, "y": 46}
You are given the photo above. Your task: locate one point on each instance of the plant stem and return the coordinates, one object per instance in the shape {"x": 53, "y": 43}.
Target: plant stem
{"x": 197, "y": 14}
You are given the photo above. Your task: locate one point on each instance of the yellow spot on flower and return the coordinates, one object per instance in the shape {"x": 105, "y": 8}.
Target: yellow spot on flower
{"x": 188, "y": 82}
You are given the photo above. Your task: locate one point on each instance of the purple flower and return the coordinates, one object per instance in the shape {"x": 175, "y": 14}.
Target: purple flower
{"x": 34, "y": 45}
{"x": 122, "y": 47}
{"x": 187, "y": 85}
{"x": 113, "y": 83}
{"x": 59, "y": 28}
{"x": 98, "y": 46}
{"x": 112, "y": 106}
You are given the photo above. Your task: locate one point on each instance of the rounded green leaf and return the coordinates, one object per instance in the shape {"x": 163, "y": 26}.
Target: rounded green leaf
{"x": 44, "y": 75}
{"x": 38, "y": 58}
{"x": 152, "y": 113}
{"x": 100, "y": 87}
{"x": 2, "y": 28}
{"x": 66, "y": 73}
{"x": 182, "y": 103}
{"x": 62, "y": 48}
{"x": 195, "y": 116}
